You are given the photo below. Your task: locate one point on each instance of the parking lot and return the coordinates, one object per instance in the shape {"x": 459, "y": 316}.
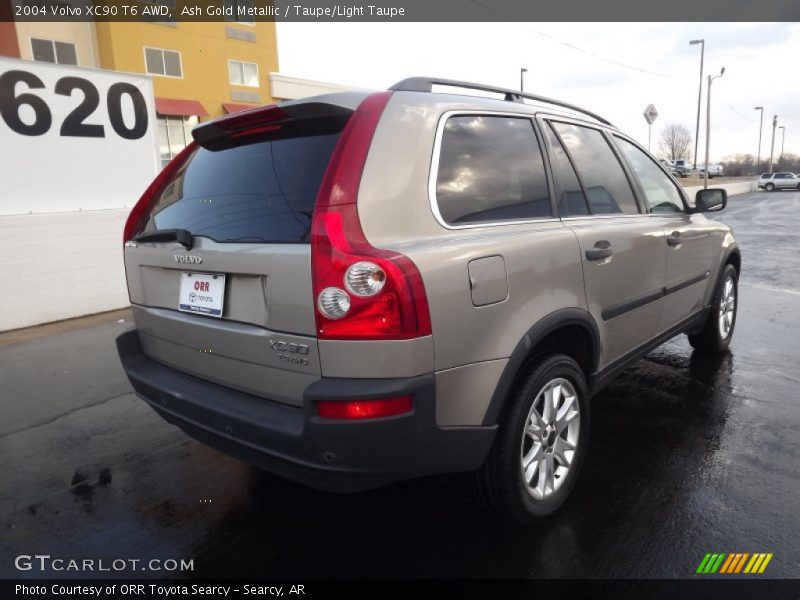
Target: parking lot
{"x": 688, "y": 455}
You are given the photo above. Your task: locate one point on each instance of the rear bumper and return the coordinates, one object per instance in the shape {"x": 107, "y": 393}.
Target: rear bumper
{"x": 294, "y": 443}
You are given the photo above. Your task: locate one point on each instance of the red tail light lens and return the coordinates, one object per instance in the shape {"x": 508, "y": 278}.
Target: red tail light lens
{"x": 137, "y": 219}
{"x": 364, "y": 409}
{"x": 399, "y": 309}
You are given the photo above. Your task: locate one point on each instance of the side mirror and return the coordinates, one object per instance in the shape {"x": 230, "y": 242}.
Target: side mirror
{"x": 711, "y": 200}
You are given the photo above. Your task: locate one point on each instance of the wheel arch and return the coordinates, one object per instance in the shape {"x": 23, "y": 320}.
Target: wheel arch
{"x": 571, "y": 331}
{"x": 733, "y": 256}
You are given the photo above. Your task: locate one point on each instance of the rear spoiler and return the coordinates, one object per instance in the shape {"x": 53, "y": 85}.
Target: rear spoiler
{"x": 275, "y": 122}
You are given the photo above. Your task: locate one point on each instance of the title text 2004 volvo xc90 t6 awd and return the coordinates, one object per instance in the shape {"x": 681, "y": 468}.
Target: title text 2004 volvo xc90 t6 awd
{"x": 355, "y": 289}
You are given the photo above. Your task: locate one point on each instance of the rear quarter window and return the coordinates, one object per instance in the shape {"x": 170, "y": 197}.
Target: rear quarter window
{"x": 490, "y": 170}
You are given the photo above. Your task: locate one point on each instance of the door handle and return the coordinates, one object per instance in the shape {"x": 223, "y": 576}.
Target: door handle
{"x": 601, "y": 250}
{"x": 674, "y": 239}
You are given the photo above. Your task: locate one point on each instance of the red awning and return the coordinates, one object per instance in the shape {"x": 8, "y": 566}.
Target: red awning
{"x": 180, "y": 108}
{"x": 230, "y": 107}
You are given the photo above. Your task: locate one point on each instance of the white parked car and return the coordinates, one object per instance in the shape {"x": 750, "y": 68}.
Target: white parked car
{"x": 713, "y": 171}
{"x": 779, "y": 181}
{"x": 680, "y": 167}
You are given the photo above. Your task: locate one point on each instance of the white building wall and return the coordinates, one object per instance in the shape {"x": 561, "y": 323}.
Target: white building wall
{"x": 283, "y": 87}
{"x": 64, "y": 200}
{"x": 57, "y": 266}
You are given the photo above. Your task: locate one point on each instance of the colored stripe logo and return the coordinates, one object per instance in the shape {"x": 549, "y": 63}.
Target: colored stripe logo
{"x": 734, "y": 563}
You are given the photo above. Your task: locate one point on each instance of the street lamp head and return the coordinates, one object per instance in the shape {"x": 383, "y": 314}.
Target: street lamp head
{"x": 695, "y": 42}
{"x": 722, "y": 72}
{"x": 524, "y": 70}
{"x": 759, "y": 108}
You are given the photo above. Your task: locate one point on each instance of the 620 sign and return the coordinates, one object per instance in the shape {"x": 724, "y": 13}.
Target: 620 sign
{"x": 74, "y": 124}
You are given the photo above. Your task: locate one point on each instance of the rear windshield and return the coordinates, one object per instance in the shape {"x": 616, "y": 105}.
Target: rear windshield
{"x": 262, "y": 192}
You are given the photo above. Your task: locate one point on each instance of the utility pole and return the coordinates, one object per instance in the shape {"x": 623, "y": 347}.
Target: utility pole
{"x": 760, "y": 127}
{"x": 711, "y": 78}
{"x": 772, "y": 148}
{"x": 699, "y": 96}
{"x": 783, "y": 139}
{"x": 522, "y": 72}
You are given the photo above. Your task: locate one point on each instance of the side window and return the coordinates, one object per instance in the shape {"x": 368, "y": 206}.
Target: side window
{"x": 163, "y": 62}
{"x": 63, "y": 53}
{"x": 571, "y": 201}
{"x": 490, "y": 169}
{"x": 660, "y": 192}
{"x": 606, "y": 184}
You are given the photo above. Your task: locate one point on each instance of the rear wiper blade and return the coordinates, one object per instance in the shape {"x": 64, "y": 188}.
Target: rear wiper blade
{"x": 182, "y": 236}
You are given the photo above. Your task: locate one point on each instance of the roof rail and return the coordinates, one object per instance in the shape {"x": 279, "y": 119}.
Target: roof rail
{"x": 425, "y": 84}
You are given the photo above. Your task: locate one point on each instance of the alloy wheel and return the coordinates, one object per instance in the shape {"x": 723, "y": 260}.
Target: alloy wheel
{"x": 550, "y": 438}
{"x": 727, "y": 307}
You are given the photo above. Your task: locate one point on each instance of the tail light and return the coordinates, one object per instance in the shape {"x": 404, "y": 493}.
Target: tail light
{"x": 137, "y": 219}
{"x": 360, "y": 292}
{"x": 364, "y": 409}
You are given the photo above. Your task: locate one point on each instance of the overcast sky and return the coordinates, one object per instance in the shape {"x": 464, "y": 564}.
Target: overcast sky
{"x": 615, "y": 69}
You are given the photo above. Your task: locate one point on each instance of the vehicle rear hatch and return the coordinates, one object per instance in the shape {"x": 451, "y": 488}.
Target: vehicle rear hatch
{"x": 233, "y": 303}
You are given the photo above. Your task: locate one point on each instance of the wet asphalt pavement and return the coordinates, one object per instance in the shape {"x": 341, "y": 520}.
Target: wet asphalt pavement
{"x": 688, "y": 455}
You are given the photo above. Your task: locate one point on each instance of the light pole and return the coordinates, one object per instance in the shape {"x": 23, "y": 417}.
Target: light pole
{"x": 772, "y": 147}
{"x": 522, "y": 72}
{"x": 783, "y": 139}
{"x": 760, "y": 127}
{"x": 711, "y": 78}
{"x": 699, "y": 95}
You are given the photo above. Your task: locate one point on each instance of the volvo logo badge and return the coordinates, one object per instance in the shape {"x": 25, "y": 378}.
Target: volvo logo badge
{"x": 188, "y": 259}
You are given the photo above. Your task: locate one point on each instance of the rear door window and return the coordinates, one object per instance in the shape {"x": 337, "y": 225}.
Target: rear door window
{"x": 490, "y": 170}
{"x": 607, "y": 187}
{"x": 261, "y": 192}
{"x": 571, "y": 201}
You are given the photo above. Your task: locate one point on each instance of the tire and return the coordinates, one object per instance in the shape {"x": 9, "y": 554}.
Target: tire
{"x": 770, "y": 187}
{"x": 500, "y": 481}
{"x": 715, "y": 336}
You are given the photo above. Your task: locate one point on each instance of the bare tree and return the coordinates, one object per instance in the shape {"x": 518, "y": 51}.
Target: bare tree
{"x": 745, "y": 164}
{"x": 675, "y": 141}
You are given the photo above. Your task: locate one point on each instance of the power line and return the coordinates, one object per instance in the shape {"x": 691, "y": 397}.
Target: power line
{"x": 739, "y": 114}
{"x": 605, "y": 58}
{"x": 583, "y": 51}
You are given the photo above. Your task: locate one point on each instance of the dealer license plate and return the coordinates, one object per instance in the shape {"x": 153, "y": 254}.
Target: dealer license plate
{"x": 202, "y": 293}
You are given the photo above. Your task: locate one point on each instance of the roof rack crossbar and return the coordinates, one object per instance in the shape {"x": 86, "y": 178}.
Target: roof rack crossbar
{"x": 425, "y": 84}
